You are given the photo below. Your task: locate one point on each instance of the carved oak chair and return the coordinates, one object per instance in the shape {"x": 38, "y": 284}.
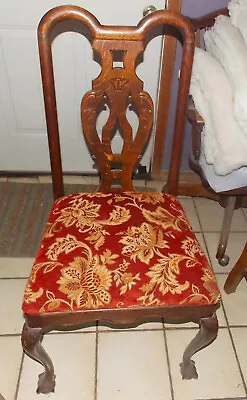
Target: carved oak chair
{"x": 231, "y": 199}
{"x": 117, "y": 256}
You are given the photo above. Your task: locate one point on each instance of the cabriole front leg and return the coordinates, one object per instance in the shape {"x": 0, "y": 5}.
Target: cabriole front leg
{"x": 206, "y": 335}
{"x": 31, "y": 343}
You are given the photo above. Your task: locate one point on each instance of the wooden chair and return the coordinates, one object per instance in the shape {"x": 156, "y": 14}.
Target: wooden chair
{"x": 117, "y": 256}
{"x": 232, "y": 199}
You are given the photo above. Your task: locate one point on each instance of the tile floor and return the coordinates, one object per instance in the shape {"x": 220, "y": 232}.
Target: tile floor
{"x": 142, "y": 363}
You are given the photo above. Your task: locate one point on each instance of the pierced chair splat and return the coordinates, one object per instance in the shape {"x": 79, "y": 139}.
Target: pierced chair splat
{"x": 117, "y": 255}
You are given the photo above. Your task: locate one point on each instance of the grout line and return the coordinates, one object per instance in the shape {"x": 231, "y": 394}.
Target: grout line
{"x": 96, "y": 364}
{"x": 225, "y": 398}
{"x": 169, "y": 366}
{"x": 19, "y": 377}
{"x": 207, "y": 231}
{"x": 234, "y": 348}
{"x": 2, "y": 335}
{"x": 189, "y": 328}
{"x": 218, "y": 231}
{"x": 112, "y": 330}
{"x": 14, "y": 278}
{"x": 238, "y": 362}
{"x": 237, "y": 326}
{"x": 74, "y": 332}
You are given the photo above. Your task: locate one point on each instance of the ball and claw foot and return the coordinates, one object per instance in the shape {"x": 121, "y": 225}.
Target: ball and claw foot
{"x": 188, "y": 370}
{"x": 224, "y": 260}
{"x": 46, "y": 383}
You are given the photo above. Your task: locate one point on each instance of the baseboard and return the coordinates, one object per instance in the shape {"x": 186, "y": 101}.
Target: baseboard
{"x": 190, "y": 185}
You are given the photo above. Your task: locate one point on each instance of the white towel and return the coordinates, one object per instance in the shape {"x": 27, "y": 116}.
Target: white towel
{"x": 238, "y": 15}
{"x": 225, "y": 42}
{"x": 224, "y": 143}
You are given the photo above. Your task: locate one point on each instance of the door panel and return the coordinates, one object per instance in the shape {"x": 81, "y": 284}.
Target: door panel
{"x": 23, "y": 139}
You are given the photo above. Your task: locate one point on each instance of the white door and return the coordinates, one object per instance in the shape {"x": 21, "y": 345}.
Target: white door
{"x": 23, "y": 139}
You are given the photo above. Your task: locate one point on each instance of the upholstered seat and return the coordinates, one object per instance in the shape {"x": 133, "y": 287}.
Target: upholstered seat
{"x": 111, "y": 250}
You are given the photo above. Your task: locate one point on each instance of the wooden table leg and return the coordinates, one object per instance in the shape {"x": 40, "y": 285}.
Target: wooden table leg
{"x": 238, "y": 272}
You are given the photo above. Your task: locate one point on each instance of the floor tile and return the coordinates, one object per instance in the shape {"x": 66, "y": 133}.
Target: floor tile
{"x": 45, "y": 179}
{"x": 211, "y": 216}
{"x": 234, "y": 303}
{"x": 10, "y": 361}
{"x": 132, "y": 365}
{"x": 139, "y": 183}
{"x": 235, "y": 246}
{"x": 11, "y": 294}
{"x": 24, "y": 179}
{"x": 217, "y": 378}
{"x": 239, "y": 338}
{"x": 73, "y": 356}
{"x": 158, "y": 185}
{"x": 73, "y": 179}
{"x": 15, "y": 267}
{"x": 190, "y": 211}
{"x": 91, "y": 180}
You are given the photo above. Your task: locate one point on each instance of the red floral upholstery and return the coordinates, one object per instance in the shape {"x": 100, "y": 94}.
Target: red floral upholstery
{"x": 108, "y": 250}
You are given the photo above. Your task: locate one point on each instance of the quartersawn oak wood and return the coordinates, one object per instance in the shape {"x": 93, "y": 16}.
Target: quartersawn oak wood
{"x": 119, "y": 88}
{"x": 114, "y": 34}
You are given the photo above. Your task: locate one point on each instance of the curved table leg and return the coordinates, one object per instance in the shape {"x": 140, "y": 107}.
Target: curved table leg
{"x": 238, "y": 272}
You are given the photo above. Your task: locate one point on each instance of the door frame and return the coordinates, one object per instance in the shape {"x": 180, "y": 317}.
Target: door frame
{"x": 166, "y": 74}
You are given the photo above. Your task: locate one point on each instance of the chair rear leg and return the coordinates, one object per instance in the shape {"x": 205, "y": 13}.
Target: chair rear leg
{"x": 223, "y": 258}
{"x": 206, "y": 335}
{"x": 238, "y": 272}
{"x": 31, "y": 342}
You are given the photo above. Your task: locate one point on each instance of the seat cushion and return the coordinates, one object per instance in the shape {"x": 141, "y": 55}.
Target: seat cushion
{"x": 118, "y": 250}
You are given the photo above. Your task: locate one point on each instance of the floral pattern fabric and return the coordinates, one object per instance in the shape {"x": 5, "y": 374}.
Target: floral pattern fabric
{"x": 118, "y": 250}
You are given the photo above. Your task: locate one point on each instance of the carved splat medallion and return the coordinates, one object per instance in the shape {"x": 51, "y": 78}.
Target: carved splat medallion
{"x": 118, "y": 83}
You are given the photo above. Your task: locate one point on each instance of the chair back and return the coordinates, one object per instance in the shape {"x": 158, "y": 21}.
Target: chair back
{"x": 118, "y": 87}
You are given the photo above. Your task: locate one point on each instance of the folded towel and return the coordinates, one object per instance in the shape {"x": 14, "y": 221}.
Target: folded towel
{"x": 238, "y": 15}
{"x": 225, "y": 42}
{"x": 224, "y": 143}
{"x": 222, "y": 183}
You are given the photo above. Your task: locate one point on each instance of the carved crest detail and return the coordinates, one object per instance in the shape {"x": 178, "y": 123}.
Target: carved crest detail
{"x": 118, "y": 83}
